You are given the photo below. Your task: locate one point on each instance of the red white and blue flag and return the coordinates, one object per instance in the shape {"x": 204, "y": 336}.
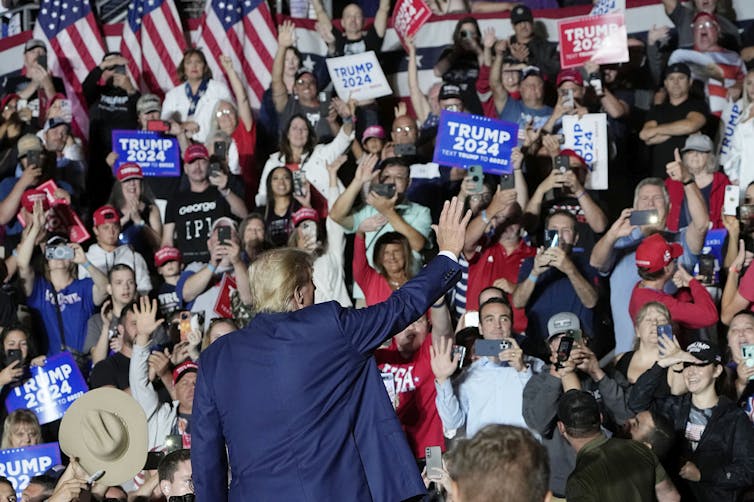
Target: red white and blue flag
{"x": 244, "y": 31}
{"x": 71, "y": 32}
{"x": 153, "y": 42}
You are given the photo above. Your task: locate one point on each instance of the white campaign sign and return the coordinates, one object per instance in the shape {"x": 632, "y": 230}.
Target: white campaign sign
{"x": 587, "y": 136}
{"x": 358, "y": 77}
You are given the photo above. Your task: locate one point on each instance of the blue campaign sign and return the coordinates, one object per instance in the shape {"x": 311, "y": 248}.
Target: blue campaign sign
{"x": 472, "y": 140}
{"x": 157, "y": 154}
{"x": 19, "y": 465}
{"x": 51, "y": 390}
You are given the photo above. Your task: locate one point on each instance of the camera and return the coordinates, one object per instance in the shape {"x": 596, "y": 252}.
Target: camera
{"x": 59, "y": 253}
{"x": 120, "y": 69}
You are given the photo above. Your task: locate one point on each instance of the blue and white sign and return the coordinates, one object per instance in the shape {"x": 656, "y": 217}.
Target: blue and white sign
{"x": 587, "y": 136}
{"x": 158, "y": 155}
{"x": 51, "y": 390}
{"x": 19, "y": 465}
{"x": 732, "y": 114}
{"x": 472, "y": 140}
{"x": 358, "y": 77}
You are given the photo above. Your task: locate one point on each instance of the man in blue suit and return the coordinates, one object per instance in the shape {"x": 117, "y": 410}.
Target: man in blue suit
{"x": 296, "y": 397}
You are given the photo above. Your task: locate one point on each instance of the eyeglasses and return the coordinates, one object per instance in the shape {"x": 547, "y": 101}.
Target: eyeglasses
{"x": 406, "y": 129}
{"x": 452, "y": 108}
{"x": 705, "y": 24}
{"x": 305, "y": 81}
{"x": 220, "y": 113}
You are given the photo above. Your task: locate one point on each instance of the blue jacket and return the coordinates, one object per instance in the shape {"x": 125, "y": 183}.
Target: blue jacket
{"x": 299, "y": 402}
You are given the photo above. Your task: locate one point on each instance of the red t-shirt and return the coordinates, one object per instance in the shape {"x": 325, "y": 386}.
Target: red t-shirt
{"x": 415, "y": 388}
{"x": 495, "y": 263}
{"x": 692, "y": 308}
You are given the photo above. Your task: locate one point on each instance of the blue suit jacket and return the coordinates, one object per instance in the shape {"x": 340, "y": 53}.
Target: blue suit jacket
{"x": 299, "y": 402}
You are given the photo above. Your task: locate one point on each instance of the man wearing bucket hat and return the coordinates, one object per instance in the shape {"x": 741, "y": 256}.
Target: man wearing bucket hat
{"x": 716, "y": 436}
{"x": 656, "y": 262}
{"x": 574, "y": 368}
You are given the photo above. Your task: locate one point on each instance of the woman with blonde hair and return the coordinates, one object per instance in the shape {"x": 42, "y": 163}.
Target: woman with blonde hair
{"x": 21, "y": 429}
{"x": 646, "y": 353}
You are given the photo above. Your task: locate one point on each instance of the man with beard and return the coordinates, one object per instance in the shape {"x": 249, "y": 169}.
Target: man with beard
{"x": 111, "y": 98}
{"x": 113, "y": 371}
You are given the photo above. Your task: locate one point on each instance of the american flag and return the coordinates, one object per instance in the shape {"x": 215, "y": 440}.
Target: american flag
{"x": 70, "y": 30}
{"x": 153, "y": 42}
{"x": 244, "y": 31}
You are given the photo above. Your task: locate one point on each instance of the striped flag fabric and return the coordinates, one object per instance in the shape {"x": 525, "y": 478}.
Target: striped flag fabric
{"x": 71, "y": 32}
{"x": 153, "y": 42}
{"x": 244, "y": 31}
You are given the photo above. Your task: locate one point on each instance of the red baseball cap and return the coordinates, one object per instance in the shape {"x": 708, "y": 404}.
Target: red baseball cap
{"x": 570, "y": 75}
{"x": 183, "y": 368}
{"x": 654, "y": 253}
{"x": 166, "y": 254}
{"x": 106, "y": 214}
{"x": 195, "y": 152}
{"x": 31, "y": 196}
{"x": 129, "y": 171}
{"x": 305, "y": 213}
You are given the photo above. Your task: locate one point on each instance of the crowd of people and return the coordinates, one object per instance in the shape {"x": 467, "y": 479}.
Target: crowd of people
{"x": 583, "y": 344}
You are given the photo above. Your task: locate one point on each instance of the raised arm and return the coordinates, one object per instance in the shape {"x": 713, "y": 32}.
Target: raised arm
{"x": 380, "y": 18}
{"x": 499, "y": 94}
{"x": 697, "y": 229}
{"x": 239, "y": 91}
{"x": 418, "y": 100}
{"x": 325, "y": 23}
{"x": 26, "y": 248}
{"x": 340, "y": 212}
{"x": 286, "y": 39}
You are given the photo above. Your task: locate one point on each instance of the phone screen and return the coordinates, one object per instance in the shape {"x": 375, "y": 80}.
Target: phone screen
{"x": 184, "y": 324}
{"x": 564, "y": 349}
{"x": 551, "y": 238}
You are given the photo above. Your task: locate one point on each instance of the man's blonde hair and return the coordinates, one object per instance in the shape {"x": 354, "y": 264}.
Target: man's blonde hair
{"x": 275, "y": 276}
